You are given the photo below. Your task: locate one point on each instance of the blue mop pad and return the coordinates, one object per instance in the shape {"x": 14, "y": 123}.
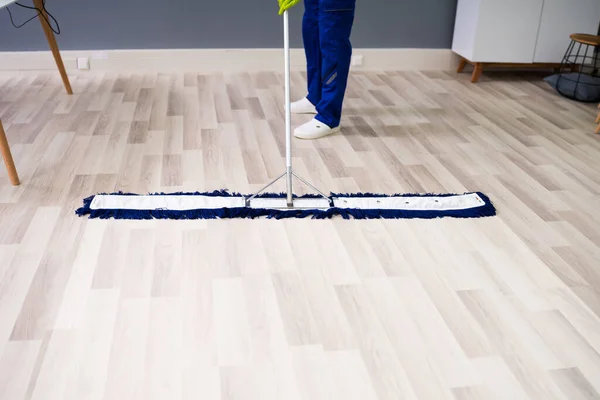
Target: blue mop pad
{"x": 226, "y": 205}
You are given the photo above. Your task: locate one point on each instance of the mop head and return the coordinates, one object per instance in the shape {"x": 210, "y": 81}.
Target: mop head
{"x": 226, "y": 205}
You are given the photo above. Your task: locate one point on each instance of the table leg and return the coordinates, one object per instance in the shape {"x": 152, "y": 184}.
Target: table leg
{"x": 53, "y": 46}
{"x": 7, "y": 156}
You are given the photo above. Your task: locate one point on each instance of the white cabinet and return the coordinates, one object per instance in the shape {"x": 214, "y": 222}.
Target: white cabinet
{"x": 520, "y": 31}
{"x": 497, "y": 30}
{"x": 561, "y": 18}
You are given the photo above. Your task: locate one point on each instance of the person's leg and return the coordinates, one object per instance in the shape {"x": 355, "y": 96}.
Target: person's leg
{"x": 312, "y": 49}
{"x": 336, "y": 18}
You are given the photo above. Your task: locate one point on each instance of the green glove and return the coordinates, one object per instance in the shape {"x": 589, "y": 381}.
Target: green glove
{"x": 285, "y": 5}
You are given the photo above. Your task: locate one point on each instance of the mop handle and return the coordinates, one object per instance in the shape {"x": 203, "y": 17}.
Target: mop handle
{"x": 288, "y": 110}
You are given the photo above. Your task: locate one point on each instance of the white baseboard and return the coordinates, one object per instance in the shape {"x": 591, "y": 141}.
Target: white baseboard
{"x": 224, "y": 60}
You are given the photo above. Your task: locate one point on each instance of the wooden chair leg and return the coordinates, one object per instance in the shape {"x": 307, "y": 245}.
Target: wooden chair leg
{"x": 53, "y": 46}
{"x": 7, "y": 156}
{"x": 477, "y": 71}
{"x": 461, "y": 66}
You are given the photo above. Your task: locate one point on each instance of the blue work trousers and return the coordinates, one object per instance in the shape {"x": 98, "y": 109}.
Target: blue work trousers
{"x": 326, "y": 30}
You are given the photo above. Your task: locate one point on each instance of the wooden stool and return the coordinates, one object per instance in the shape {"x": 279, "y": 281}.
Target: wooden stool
{"x": 7, "y": 156}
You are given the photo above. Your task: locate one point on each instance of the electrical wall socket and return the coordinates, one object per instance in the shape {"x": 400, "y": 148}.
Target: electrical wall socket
{"x": 83, "y": 63}
{"x": 358, "y": 61}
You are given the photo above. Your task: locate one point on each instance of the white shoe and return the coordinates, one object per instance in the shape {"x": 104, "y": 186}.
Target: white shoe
{"x": 314, "y": 129}
{"x": 303, "y": 106}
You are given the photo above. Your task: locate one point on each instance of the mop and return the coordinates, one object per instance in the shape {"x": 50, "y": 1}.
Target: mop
{"x": 222, "y": 204}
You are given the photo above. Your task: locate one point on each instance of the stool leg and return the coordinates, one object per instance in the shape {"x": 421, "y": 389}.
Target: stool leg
{"x": 53, "y": 46}
{"x": 7, "y": 156}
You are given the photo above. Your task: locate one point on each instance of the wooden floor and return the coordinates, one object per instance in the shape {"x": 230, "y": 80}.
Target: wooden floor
{"x": 492, "y": 309}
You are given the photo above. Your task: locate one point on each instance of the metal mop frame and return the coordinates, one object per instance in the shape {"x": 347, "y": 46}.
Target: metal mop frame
{"x": 289, "y": 173}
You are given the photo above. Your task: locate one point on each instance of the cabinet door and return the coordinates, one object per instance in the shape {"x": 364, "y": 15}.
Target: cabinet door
{"x": 507, "y": 30}
{"x": 561, "y": 18}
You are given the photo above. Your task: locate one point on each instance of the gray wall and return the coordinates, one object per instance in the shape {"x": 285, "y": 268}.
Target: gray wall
{"x": 160, "y": 24}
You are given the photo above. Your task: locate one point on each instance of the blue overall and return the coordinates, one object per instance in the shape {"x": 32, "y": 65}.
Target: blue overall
{"x": 326, "y": 32}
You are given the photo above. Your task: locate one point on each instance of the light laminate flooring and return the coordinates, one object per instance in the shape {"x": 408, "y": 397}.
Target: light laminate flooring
{"x": 503, "y": 308}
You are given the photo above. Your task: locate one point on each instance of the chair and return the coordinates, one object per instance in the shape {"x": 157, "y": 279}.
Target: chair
{"x": 39, "y": 4}
{"x": 7, "y": 156}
